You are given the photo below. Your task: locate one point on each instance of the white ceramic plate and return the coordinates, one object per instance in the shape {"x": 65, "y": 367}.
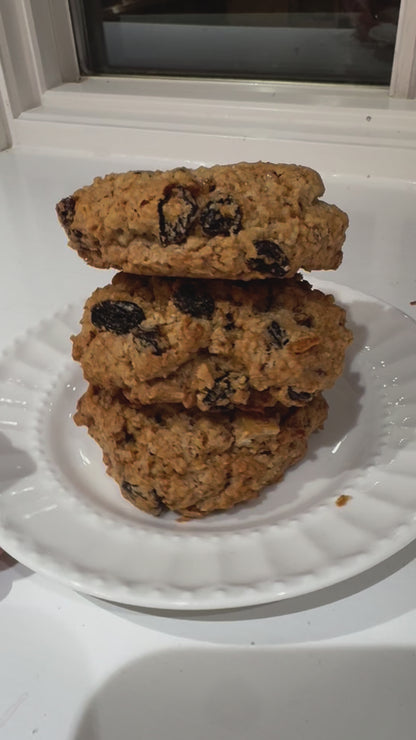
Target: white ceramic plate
{"x": 61, "y": 515}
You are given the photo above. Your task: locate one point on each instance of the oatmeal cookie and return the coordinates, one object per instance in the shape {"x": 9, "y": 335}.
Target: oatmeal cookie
{"x": 165, "y": 457}
{"x": 214, "y": 343}
{"x": 237, "y": 221}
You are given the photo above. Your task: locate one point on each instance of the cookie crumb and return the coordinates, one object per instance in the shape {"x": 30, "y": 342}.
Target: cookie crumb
{"x": 343, "y": 499}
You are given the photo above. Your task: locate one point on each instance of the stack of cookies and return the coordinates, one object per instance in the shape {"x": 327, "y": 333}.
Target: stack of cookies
{"x": 207, "y": 355}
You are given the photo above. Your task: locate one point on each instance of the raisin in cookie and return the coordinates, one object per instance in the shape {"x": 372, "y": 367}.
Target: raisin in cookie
{"x": 164, "y": 457}
{"x": 238, "y": 221}
{"x": 212, "y": 344}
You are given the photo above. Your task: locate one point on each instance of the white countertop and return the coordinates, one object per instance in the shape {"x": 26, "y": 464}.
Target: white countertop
{"x": 336, "y": 664}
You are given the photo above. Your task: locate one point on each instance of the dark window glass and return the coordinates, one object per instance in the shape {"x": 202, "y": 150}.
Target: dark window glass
{"x": 307, "y": 40}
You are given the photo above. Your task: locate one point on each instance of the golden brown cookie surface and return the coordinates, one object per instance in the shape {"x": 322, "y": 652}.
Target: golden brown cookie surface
{"x": 238, "y": 221}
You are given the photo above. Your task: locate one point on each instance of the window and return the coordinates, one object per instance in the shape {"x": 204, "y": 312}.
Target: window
{"x": 61, "y": 87}
{"x": 321, "y": 40}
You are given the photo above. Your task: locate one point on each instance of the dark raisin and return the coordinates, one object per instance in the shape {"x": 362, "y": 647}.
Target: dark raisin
{"x": 119, "y": 317}
{"x": 133, "y": 494}
{"x": 149, "y": 338}
{"x": 271, "y": 260}
{"x": 220, "y": 393}
{"x": 299, "y": 395}
{"x": 189, "y": 298}
{"x": 176, "y": 212}
{"x": 66, "y": 211}
{"x": 305, "y": 321}
{"x": 277, "y": 334}
{"x": 230, "y": 321}
{"x": 221, "y": 217}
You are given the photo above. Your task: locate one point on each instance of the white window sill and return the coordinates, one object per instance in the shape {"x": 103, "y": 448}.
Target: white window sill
{"x": 342, "y": 129}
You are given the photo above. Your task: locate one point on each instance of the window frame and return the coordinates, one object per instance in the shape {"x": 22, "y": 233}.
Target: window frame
{"x": 47, "y": 103}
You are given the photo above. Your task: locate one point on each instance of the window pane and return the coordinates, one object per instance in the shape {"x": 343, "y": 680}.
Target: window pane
{"x": 312, "y": 40}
